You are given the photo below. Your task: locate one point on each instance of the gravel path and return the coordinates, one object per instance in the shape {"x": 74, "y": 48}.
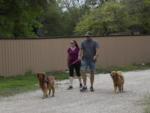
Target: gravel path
{"x": 103, "y": 100}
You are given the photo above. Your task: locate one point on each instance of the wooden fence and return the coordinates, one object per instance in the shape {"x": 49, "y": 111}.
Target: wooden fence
{"x": 20, "y": 56}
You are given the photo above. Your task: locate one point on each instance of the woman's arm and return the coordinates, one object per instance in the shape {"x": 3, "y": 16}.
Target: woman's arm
{"x": 80, "y": 54}
{"x": 68, "y": 57}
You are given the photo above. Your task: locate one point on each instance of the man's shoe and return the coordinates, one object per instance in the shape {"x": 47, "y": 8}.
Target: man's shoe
{"x": 83, "y": 89}
{"x": 70, "y": 87}
{"x": 91, "y": 89}
{"x": 80, "y": 85}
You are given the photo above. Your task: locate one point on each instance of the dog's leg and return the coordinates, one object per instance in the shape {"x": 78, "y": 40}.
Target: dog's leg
{"x": 53, "y": 90}
{"x": 50, "y": 91}
{"x": 47, "y": 93}
{"x": 44, "y": 94}
{"x": 115, "y": 88}
{"x": 45, "y": 90}
{"x": 122, "y": 88}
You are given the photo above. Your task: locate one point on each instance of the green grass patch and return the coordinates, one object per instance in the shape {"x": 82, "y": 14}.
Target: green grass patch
{"x": 28, "y": 81}
{"x": 133, "y": 67}
{"x": 23, "y": 83}
{"x": 17, "y": 84}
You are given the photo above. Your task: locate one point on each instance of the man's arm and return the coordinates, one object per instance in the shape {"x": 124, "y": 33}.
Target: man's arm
{"x": 97, "y": 52}
{"x": 96, "y": 55}
{"x": 81, "y": 54}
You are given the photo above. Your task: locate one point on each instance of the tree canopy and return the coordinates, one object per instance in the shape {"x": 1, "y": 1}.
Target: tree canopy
{"x": 116, "y": 17}
{"x": 19, "y": 17}
{"x": 35, "y": 18}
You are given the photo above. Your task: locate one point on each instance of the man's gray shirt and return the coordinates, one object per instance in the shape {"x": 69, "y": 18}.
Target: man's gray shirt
{"x": 89, "y": 49}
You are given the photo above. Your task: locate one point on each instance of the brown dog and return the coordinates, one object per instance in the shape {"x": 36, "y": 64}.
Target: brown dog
{"x": 47, "y": 84}
{"x": 118, "y": 80}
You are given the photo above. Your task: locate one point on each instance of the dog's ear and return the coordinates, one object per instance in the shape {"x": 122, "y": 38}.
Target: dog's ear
{"x": 43, "y": 76}
{"x": 113, "y": 73}
{"x": 37, "y": 75}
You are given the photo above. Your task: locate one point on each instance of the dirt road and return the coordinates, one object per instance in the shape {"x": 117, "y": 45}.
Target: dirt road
{"x": 103, "y": 100}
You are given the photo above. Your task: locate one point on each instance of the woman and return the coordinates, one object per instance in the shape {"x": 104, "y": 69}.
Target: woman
{"x": 74, "y": 62}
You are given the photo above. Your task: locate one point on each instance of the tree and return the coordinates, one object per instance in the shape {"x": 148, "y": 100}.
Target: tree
{"x": 19, "y": 17}
{"x": 146, "y": 17}
{"x": 108, "y": 18}
{"x": 72, "y": 11}
{"x": 134, "y": 9}
{"x": 26, "y": 18}
{"x": 51, "y": 20}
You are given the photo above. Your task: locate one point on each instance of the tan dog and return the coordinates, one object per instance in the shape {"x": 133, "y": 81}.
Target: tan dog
{"x": 118, "y": 81}
{"x": 46, "y": 84}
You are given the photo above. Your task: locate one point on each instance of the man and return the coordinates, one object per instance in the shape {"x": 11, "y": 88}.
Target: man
{"x": 89, "y": 54}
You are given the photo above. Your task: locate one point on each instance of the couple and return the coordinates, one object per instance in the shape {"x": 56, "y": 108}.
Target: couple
{"x": 85, "y": 59}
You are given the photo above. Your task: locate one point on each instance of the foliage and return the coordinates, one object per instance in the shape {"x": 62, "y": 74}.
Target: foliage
{"x": 104, "y": 20}
{"x": 116, "y": 17}
{"x": 134, "y": 9}
{"x": 146, "y": 16}
{"x": 19, "y": 17}
{"x": 21, "y": 83}
{"x": 26, "y": 18}
{"x": 73, "y": 10}
{"x": 51, "y": 20}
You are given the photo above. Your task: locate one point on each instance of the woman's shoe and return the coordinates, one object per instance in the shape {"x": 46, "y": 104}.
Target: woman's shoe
{"x": 70, "y": 87}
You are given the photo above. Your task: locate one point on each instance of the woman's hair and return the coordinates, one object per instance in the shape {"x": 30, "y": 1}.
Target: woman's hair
{"x": 76, "y": 44}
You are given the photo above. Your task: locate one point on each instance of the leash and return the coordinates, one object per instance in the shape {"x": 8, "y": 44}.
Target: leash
{"x": 75, "y": 61}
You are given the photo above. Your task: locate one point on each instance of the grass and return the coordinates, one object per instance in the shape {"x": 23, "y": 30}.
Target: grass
{"x": 28, "y": 81}
{"x": 21, "y": 83}
{"x": 132, "y": 67}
